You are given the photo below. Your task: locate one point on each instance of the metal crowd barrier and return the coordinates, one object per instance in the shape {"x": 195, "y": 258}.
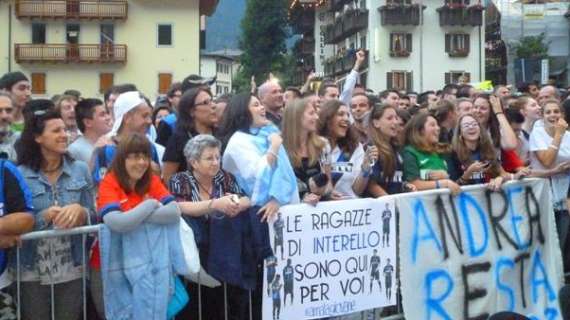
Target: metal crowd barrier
{"x": 86, "y": 230}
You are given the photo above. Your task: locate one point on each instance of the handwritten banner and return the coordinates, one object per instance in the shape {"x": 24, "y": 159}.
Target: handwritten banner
{"x": 481, "y": 252}
{"x": 333, "y": 259}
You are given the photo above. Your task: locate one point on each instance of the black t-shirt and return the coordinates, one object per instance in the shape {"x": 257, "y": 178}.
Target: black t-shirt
{"x": 163, "y": 133}
{"x": 17, "y": 197}
{"x": 391, "y": 185}
{"x": 456, "y": 169}
{"x": 304, "y": 173}
{"x": 174, "y": 151}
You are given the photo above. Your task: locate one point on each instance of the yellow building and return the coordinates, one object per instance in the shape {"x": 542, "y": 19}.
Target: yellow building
{"x": 90, "y": 45}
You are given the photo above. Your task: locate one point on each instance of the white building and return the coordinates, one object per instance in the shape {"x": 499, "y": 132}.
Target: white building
{"x": 222, "y": 64}
{"x": 412, "y": 45}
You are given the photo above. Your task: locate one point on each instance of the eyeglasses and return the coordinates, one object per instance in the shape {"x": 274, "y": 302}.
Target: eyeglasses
{"x": 469, "y": 125}
{"x": 205, "y": 103}
{"x": 211, "y": 159}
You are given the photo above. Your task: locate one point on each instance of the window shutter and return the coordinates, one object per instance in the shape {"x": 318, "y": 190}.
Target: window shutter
{"x": 409, "y": 81}
{"x": 164, "y": 82}
{"x": 391, "y": 42}
{"x": 447, "y": 77}
{"x": 467, "y": 43}
{"x": 105, "y": 81}
{"x": 447, "y": 43}
{"x": 409, "y": 42}
{"x": 38, "y": 83}
{"x": 389, "y": 78}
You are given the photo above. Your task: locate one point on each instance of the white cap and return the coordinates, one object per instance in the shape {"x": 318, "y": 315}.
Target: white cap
{"x": 125, "y": 102}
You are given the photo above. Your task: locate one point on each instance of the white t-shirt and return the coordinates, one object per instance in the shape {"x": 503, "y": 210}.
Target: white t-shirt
{"x": 540, "y": 141}
{"x": 350, "y": 170}
{"x": 81, "y": 149}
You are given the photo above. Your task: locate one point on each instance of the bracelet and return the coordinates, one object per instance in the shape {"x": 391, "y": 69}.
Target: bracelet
{"x": 437, "y": 186}
{"x": 553, "y": 146}
{"x": 365, "y": 173}
{"x": 498, "y": 113}
{"x": 210, "y": 204}
{"x": 272, "y": 153}
{"x": 512, "y": 177}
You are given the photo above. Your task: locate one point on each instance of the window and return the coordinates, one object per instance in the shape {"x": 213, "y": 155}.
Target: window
{"x": 38, "y": 33}
{"x": 363, "y": 42}
{"x": 72, "y": 33}
{"x": 164, "y": 35}
{"x": 400, "y": 44}
{"x": 106, "y": 81}
{"x": 164, "y": 82}
{"x": 107, "y": 34}
{"x": 38, "y": 83}
{"x": 399, "y": 80}
{"x": 455, "y": 76}
{"x": 457, "y": 45}
{"x": 398, "y": 1}
{"x": 218, "y": 90}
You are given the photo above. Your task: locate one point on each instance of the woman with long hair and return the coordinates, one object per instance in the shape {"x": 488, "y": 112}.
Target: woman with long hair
{"x": 132, "y": 202}
{"x": 350, "y": 164}
{"x": 550, "y": 146}
{"x": 489, "y": 113}
{"x": 424, "y": 157}
{"x": 255, "y": 156}
{"x": 63, "y": 198}
{"x": 474, "y": 158}
{"x": 196, "y": 115}
{"x": 306, "y": 149}
{"x": 387, "y": 177}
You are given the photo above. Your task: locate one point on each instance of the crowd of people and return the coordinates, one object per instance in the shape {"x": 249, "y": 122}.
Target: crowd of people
{"x": 226, "y": 165}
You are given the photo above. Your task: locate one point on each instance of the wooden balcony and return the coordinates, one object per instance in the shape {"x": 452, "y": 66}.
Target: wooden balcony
{"x": 458, "y": 53}
{"x": 460, "y": 15}
{"x": 72, "y": 9}
{"x": 401, "y": 14}
{"x": 337, "y": 5}
{"x": 402, "y": 53}
{"x": 69, "y": 53}
{"x": 303, "y": 21}
{"x": 354, "y": 21}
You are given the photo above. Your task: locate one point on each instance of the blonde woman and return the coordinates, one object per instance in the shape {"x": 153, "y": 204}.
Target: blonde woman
{"x": 307, "y": 151}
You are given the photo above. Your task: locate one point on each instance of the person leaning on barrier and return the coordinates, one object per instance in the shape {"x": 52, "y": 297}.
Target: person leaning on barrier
{"x": 424, "y": 157}
{"x": 130, "y": 196}
{"x": 474, "y": 159}
{"x": 386, "y": 177}
{"x": 210, "y": 198}
{"x": 63, "y": 198}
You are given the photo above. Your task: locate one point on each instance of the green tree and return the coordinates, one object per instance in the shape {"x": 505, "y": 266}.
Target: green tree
{"x": 262, "y": 40}
{"x": 531, "y": 47}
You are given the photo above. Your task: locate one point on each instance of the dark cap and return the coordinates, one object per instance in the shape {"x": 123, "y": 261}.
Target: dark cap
{"x": 9, "y": 79}
{"x": 194, "y": 81}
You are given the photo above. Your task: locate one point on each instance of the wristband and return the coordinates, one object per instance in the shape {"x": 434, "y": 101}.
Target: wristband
{"x": 272, "y": 153}
{"x": 210, "y": 204}
{"x": 498, "y": 113}
{"x": 553, "y": 146}
{"x": 512, "y": 177}
{"x": 365, "y": 173}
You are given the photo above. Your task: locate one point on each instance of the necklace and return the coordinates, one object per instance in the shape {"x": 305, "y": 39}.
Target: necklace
{"x": 210, "y": 194}
{"x": 55, "y": 169}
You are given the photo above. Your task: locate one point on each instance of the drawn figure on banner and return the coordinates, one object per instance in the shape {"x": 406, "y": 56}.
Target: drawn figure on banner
{"x": 278, "y": 227}
{"x": 375, "y": 270}
{"x": 288, "y": 279}
{"x": 388, "y": 271}
{"x": 271, "y": 265}
{"x": 386, "y": 216}
{"x": 276, "y": 295}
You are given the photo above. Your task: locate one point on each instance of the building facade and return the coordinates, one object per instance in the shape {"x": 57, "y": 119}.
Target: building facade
{"x": 222, "y": 64}
{"x": 91, "y": 45}
{"x": 412, "y": 45}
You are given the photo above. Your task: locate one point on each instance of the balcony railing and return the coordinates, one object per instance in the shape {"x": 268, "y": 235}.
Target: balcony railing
{"x": 308, "y": 46}
{"x": 337, "y": 5}
{"x": 458, "y": 53}
{"x": 354, "y": 21}
{"x": 303, "y": 21}
{"x": 72, "y": 9}
{"x": 71, "y": 53}
{"x": 460, "y": 15}
{"x": 402, "y": 53}
{"x": 401, "y": 14}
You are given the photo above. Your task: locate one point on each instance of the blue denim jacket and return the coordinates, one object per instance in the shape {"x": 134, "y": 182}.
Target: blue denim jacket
{"x": 137, "y": 269}
{"x": 74, "y": 185}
